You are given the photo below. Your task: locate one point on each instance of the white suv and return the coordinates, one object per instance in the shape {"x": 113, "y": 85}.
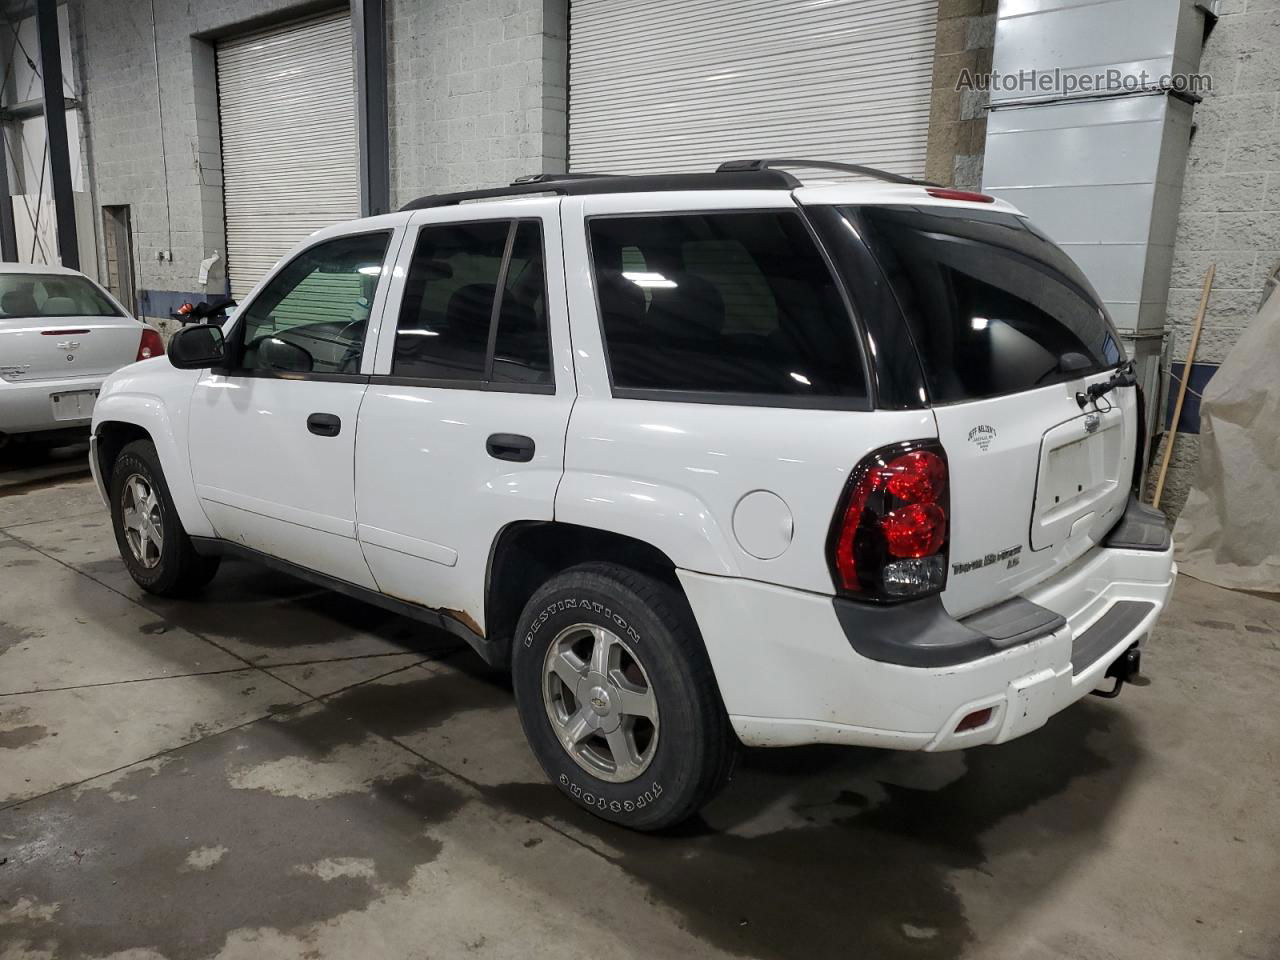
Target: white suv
{"x": 707, "y": 459}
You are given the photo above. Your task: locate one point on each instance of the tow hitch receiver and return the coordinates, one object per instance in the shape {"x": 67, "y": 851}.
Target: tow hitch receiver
{"x": 1122, "y": 670}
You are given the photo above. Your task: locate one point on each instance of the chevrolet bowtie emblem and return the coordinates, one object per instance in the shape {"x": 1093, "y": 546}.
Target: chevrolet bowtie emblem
{"x": 69, "y": 345}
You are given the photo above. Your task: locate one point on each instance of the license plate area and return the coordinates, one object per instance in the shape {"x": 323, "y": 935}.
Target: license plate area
{"x": 75, "y": 405}
{"x": 1079, "y": 473}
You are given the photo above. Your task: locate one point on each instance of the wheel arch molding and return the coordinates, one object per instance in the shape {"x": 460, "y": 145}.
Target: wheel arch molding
{"x": 122, "y": 418}
{"x": 526, "y": 553}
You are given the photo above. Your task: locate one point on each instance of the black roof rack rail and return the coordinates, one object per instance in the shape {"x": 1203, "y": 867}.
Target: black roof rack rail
{"x": 743, "y": 166}
{"x": 583, "y": 184}
{"x": 553, "y": 177}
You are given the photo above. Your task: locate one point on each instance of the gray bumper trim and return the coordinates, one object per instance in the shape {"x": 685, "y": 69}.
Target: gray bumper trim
{"x": 920, "y": 633}
{"x": 1140, "y": 527}
{"x": 1120, "y": 620}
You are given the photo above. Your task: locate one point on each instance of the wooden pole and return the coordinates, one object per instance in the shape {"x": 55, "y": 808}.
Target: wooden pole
{"x": 1182, "y": 387}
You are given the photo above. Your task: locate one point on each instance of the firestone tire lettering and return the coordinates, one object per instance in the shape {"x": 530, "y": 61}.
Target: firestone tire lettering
{"x": 590, "y": 799}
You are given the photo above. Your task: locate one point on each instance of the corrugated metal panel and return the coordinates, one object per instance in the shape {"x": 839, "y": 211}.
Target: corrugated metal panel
{"x": 1101, "y": 176}
{"x": 669, "y": 85}
{"x": 286, "y": 98}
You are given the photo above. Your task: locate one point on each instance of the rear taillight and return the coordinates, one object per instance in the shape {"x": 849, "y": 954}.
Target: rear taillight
{"x": 889, "y": 537}
{"x": 151, "y": 345}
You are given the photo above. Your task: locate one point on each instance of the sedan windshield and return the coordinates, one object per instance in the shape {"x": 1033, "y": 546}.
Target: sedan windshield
{"x": 52, "y": 295}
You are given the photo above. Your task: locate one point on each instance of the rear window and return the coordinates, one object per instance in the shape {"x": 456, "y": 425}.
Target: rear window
{"x": 52, "y": 295}
{"x": 993, "y": 305}
{"x": 727, "y": 306}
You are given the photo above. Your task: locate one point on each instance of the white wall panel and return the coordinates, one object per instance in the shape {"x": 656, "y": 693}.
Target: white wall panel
{"x": 681, "y": 85}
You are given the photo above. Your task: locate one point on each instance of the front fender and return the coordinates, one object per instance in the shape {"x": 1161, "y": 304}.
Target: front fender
{"x": 674, "y": 521}
{"x": 157, "y": 398}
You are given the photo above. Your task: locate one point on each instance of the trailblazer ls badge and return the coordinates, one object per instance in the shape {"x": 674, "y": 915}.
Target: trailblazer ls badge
{"x": 1008, "y": 554}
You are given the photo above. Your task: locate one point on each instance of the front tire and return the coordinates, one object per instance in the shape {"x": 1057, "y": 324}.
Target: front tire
{"x": 617, "y": 696}
{"x": 155, "y": 548}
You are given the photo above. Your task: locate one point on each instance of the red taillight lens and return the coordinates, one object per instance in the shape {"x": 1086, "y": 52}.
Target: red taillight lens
{"x": 917, "y": 477}
{"x": 966, "y": 196}
{"x": 917, "y": 530}
{"x": 890, "y": 534}
{"x": 151, "y": 346}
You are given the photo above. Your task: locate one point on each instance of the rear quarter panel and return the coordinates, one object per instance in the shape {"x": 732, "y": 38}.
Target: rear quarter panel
{"x": 674, "y": 474}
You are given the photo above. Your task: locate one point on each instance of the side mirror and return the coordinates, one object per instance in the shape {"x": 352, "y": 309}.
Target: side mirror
{"x": 198, "y": 347}
{"x": 277, "y": 354}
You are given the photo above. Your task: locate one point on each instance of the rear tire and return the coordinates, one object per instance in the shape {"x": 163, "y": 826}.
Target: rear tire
{"x": 617, "y": 696}
{"x": 152, "y": 542}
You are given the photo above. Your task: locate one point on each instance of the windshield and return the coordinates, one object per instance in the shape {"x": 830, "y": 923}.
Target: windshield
{"x": 994, "y": 307}
{"x": 33, "y": 295}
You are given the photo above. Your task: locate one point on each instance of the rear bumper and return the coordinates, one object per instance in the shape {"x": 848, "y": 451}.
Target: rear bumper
{"x": 26, "y": 407}
{"x": 789, "y": 675}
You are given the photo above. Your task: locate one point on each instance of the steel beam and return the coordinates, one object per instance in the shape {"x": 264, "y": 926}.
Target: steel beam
{"x": 370, "y": 35}
{"x": 8, "y": 233}
{"x": 55, "y": 121}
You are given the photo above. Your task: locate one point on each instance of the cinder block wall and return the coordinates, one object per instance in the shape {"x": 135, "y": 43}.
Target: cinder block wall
{"x": 1230, "y": 211}
{"x": 958, "y": 118}
{"x": 477, "y": 96}
{"x": 477, "y": 93}
{"x": 152, "y": 129}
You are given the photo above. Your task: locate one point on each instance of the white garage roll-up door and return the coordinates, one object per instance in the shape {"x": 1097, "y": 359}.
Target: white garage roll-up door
{"x": 681, "y": 85}
{"x": 287, "y": 103}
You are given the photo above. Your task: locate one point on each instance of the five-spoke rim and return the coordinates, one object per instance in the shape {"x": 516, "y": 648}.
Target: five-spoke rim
{"x": 600, "y": 702}
{"x": 143, "y": 525}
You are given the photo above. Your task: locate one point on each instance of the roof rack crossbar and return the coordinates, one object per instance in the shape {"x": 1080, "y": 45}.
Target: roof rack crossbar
{"x": 743, "y": 166}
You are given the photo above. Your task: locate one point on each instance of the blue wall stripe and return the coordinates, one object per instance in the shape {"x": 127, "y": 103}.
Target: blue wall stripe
{"x": 1201, "y": 374}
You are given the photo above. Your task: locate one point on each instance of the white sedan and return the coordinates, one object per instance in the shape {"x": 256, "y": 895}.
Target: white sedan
{"x": 60, "y": 336}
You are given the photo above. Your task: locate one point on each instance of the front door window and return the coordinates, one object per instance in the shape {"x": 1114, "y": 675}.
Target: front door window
{"x": 313, "y": 315}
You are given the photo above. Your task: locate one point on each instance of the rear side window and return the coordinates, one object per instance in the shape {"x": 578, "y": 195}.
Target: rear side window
{"x": 993, "y": 305}
{"x": 730, "y": 306}
{"x": 472, "y": 313}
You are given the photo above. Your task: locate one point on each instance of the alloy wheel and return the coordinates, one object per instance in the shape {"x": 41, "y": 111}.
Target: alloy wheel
{"x": 600, "y": 702}
{"x": 143, "y": 524}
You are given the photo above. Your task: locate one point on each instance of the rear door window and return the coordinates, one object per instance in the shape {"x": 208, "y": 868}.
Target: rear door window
{"x": 993, "y": 305}
{"x": 474, "y": 308}
{"x": 735, "y": 307}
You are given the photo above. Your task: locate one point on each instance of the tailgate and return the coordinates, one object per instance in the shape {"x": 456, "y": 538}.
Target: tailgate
{"x": 1035, "y": 483}
{"x": 1009, "y": 333}
{"x": 41, "y": 348}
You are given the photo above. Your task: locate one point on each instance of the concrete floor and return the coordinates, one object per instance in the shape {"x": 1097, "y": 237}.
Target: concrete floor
{"x": 275, "y": 771}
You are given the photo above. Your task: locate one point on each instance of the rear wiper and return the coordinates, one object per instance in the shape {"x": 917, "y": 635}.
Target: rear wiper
{"x": 1122, "y": 376}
